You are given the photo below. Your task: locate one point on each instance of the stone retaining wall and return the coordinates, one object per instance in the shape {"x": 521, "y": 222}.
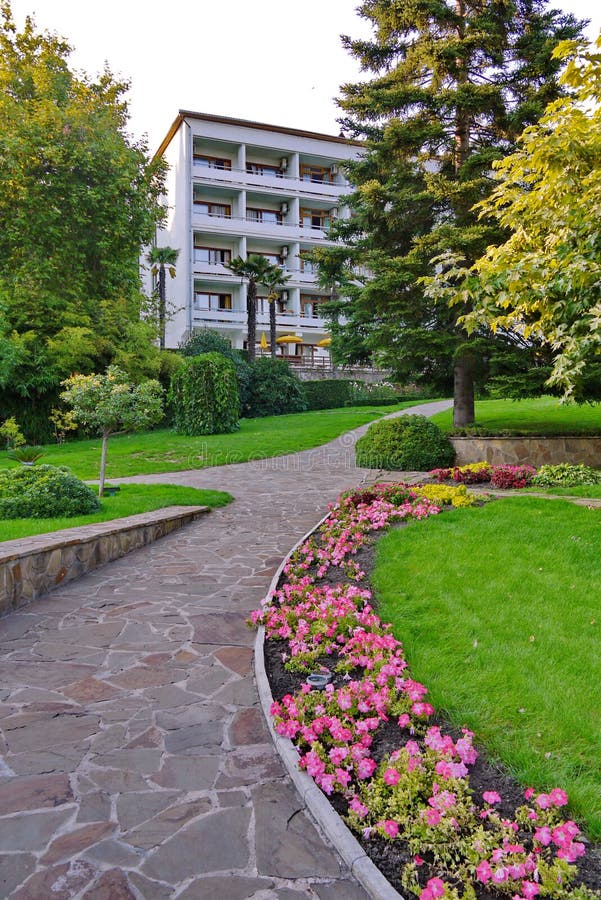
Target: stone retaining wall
{"x": 534, "y": 451}
{"x": 32, "y": 566}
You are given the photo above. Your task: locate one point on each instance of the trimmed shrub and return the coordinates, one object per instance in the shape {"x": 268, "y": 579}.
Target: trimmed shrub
{"x": 566, "y": 475}
{"x": 204, "y": 396}
{"x": 274, "y": 389}
{"x": 404, "y": 443}
{"x": 329, "y": 393}
{"x": 42, "y": 492}
{"x": 205, "y": 340}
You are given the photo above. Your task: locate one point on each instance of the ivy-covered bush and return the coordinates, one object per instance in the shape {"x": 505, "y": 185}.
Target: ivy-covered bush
{"x": 274, "y": 389}
{"x": 566, "y": 475}
{"x": 404, "y": 443}
{"x": 42, "y": 492}
{"x": 205, "y": 340}
{"x": 204, "y": 396}
{"x": 329, "y": 393}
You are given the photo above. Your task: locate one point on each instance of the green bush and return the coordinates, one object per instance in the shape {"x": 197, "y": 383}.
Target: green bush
{"x": 329, "y": 393}
{"x": 274, "y": 389}
{"x": 566, "y": 475}
{"x": 405, "y": 443}
{"x": 205, "y": 340}
{"x": 204, "y": 396}
{"x": 42, "y": 492}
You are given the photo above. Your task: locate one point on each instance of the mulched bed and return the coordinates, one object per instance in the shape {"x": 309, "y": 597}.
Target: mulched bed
{"x": 390, "y": 856}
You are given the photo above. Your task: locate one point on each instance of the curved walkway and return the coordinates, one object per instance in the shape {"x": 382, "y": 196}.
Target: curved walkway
{"x": 135, "y": 762}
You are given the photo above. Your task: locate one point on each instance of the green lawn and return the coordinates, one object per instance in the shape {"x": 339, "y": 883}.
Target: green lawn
{"x": 580, "y": 490}
{"x": 544, "y": 415}
{"x": 499, "y": 610}
{"x": 131, "y": 499}
{"x": 164, "y": 451}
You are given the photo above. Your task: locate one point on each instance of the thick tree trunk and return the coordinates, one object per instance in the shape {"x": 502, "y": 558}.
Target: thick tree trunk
{"x": 162, "y": 306}
{"x": 251, "y": 310}
{"x": 272, "y": 326}
{"x": 463, "y": 393}
{"x": 105, "y": 440}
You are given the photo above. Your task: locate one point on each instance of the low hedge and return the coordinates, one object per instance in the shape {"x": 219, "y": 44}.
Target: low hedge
{"x": 405, "y": 443}
{"x": 44, "y": 492}
{"x": 329, "y": 393}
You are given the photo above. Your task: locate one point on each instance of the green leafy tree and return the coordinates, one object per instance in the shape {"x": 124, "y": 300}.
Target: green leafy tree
{"x": 78, "y": 199}
{"x": 452, "y": 85}
{"x": 543, "y": 281}
{"x": 160, "y": 260}
{"x": 254, "y": 269}
{"x": 107, "y": 404}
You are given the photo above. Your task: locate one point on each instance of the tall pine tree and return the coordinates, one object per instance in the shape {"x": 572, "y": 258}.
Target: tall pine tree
{"x": 454, "y": 82}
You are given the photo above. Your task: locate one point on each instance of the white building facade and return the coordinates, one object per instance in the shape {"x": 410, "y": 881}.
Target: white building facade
{"x": 237, "y": 188}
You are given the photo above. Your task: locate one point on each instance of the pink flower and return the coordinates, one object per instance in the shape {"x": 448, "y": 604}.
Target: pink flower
{"x": 432, "y": 816}
{"x": 403, "y": 720}
{"x": 391, "y": 777}
{"x": 543, "y": 801}
{"x": 434, "y": 888}
{"x": 558, "y": 797}
{"x": 484, "y": 871}
{"x": 530, "y": 889}
{"x": 528, "y": 793}
{"x": 360, "y": 809}
{"x": 391, "y": 828}
{"x": 491, "y": 797}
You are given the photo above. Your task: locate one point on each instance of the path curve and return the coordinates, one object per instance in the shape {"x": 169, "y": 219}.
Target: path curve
{"x": 135, "y": 762}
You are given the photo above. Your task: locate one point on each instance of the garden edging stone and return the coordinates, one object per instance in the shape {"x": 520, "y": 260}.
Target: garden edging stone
{"x": 364, "y": 870}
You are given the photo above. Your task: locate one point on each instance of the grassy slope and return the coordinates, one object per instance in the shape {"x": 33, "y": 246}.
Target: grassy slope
{"x": 131, "y": 499}
{"x": 165, "y": 451}
{"x": 499, "y": 609}
{"x": 544, "y": 415}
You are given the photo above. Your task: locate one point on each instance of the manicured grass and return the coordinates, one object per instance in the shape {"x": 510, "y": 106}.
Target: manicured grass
{"x": 164, "y": 451}
{"x": 581, "y": 490}
{"x": 544, "y": 415}
{"x": 131, "y": 499}
{"x": 499, "y": 609}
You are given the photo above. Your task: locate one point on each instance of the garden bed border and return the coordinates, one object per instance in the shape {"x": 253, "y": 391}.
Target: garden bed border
{"x": 360, "y": 865}
{"x": 33, "y": 566}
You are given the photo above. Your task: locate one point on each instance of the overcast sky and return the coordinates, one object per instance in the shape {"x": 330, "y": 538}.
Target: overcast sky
{"x": 273, "y": 61}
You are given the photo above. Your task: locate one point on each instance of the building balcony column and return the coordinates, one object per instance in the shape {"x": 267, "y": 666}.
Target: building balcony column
{"x": 241, "y": 158}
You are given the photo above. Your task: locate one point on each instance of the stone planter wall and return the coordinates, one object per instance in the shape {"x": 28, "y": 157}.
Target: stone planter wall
{"x": 30, "y": 567}
{"x": 534, "y": 451}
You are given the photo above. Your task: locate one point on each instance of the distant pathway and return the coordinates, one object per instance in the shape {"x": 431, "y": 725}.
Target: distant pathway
{"x": 134, "y": 759}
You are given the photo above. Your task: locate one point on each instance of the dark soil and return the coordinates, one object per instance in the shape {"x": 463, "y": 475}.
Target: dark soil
{"x": 485, "y": 775}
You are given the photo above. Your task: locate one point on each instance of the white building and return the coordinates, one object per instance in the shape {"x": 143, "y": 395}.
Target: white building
{"x": 236, "y": 188}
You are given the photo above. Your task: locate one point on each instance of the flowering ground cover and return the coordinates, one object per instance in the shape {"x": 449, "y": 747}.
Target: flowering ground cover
{"x": 438, "y": 821}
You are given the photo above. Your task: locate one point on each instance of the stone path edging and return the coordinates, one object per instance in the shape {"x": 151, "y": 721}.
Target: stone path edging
{"x": 360, "y": 865}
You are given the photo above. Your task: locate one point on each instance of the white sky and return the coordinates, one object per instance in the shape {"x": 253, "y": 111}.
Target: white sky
{"x": 272, "y": 61}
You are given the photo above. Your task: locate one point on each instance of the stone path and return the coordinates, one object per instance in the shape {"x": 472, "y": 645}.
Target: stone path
{"x": 134, "y": 759}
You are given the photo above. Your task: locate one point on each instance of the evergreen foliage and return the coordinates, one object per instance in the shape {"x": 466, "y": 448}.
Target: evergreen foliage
{"x": 452, "y": 85}
{"x": 41, "y": 492}
{"x": 329, "y": 393}
{"x": 205, "y": 340}
{"x": 78, "y": 199}
{"x": 405, "y": 443}
{"x": 204, "y": 395}
{"x": 274, "y": 389}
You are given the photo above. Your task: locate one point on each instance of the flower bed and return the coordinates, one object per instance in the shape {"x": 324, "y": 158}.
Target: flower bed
{"x": 370, "y": 742}
{"x": 506, "y": 477}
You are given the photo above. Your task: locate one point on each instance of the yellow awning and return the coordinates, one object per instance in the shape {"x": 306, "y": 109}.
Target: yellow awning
{"x": 289, "y": 339}
{"x": 263, "y": 343}
{"x": 325, "y": 342}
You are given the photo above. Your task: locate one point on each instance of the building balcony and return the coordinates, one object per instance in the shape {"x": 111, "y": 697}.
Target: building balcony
{"x": 270, "y": 182}
{"x": 237, "y": 225}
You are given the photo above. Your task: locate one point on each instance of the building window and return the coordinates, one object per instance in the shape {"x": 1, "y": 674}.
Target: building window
{"x": 263, "y": 169}
{"x": 274, "y": 258}
{"x": 271, "y": 216}
{"x": 314, "y": 218}
{"x": 308, "y": 267}
{"x": 310, "y": 306}
{"x": 220, "y": 210}
{"x": 263, "y": 306}
{"x": 214, "y": 256}
{"x": 211, "y": 162}
{"x": 314, "y": 173}
{"x": 205, "y": 301}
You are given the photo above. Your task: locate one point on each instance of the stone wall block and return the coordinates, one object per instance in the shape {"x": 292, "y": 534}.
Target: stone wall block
{"x": 534, "y": 451}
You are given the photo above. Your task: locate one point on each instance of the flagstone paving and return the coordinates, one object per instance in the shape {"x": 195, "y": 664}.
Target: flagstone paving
{"x": 134, "y": 759}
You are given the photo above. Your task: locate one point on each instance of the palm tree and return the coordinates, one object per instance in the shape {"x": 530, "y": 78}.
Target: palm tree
{"x": 255, "y": 269}
{"x": 273, "y": 281}
{"x": 159, "y": 258}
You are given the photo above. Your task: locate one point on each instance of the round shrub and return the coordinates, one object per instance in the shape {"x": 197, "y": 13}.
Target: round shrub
{"x": 204, "y": 396}
{"x": 404, "y": 443}
{"x": 274, "y": 389}
{"x": 43, "y": 492}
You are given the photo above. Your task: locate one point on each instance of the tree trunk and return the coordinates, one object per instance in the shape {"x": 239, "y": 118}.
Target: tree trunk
{"x": 105, "y": 440}
{"x": 463, "y": 393}
{"x": 162, "y": 306}
{"x": 272, "y": 326}
{"x": 251, "y": 310}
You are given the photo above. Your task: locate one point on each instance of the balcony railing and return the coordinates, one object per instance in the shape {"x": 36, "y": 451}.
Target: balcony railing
{"x": 246, "y": 225}
{"x": 273, "y": 180}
